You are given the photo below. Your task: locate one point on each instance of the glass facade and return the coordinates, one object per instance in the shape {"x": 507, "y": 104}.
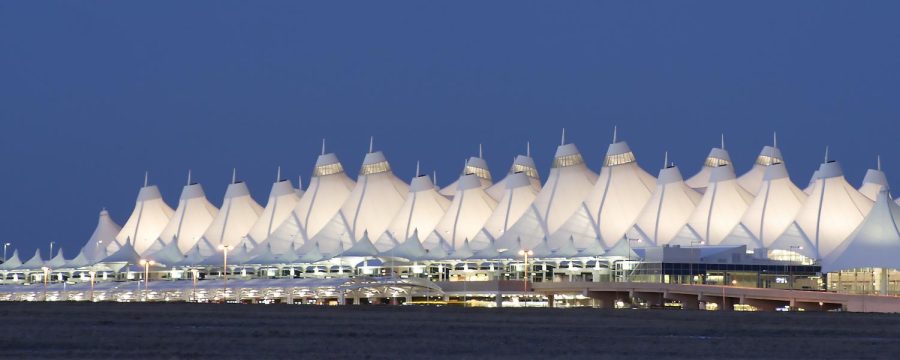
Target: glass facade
{"x": 619, "y": 159}
{"x": 379, "y": 167}
{"x": 328, "y": 169}
{"x": 767, "y": 160}
{"x": 477, "y": 171}
{"x": 528, "y": 170}
{"x": 715, "y": 162}
{"x": 567, "y": 160}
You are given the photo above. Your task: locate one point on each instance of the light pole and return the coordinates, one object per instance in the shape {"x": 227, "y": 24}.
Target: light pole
{"x": 733, "y": 282}
{"x": 92, "y": 273}
{"x": 51, "y": 248}
{"x": 5, "y": 245}
{"x": 146, "y": 263}
{"x": 526, "y": 254}
{"x": 224, "y": 249}
{"x": 46, "y": 278}
{"x": 195, "y": 273}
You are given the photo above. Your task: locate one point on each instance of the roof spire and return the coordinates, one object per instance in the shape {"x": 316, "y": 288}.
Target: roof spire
{"x": 826, "y": 153}
{"x": 233, "y": 175}
{"x": 480, "y": 152}
{"x": 563, "y": 141}
{"x": 774, "y": 139}
{"x": 146, "y": 177}
{"x": 878, "y": 160}
{"x": 434, "y": 177}
{"x": 189, "y": 176}
{"x": 323, "y": 146}
{"x": 723, "y": 141}
{"x": 371, "y": 143}
{"x": 615, "y": 133}
{"x": 278, "y": 174}
{"x": 417, "y": 168}
{"x": 300, "y": 182}
{"x": 528, "y": 148}
{"x": 666, "y": 161}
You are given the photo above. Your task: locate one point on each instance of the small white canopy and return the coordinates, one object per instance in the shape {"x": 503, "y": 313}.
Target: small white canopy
{"x": 421, "y": 211}
{"x": 474, "y": 166}
{"x": 57, "y": 261}
{"x": 79, "y": 261}
{"x": 717, "y": 157}
{"x": 721, "y": 207}
{"x": 169, "y": 254}
{"x": 35, "y": 263}
{"x": 192, "y": 257}
{"x": 466, "y": 215}
{"x": 776, "y": 205}
{"x": 753, "y": 179}
{"x": 150, "y": 216}
{"x": 515, "y": 201}
{"x": 238, "y": 213}
{"x": 192, "y": 217}
{"x": 282, "y": 200}
{"x": 667, "y": 211}
{"x": 874, "y": 244}
{"x": 126, "y": 255}
{"x": 521, "y": 164}
{"x": 12, "y": 262}
{"x": 873, "y": 183}
{"x": 410, "y": 249}
{"x": 362, "y": 247}
{"x": 104, "y": 235}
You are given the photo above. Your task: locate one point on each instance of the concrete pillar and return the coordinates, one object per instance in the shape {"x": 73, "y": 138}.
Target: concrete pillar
{"x": 341, "y": 298}
{"x": 289, "y": 298}
{"x": 603, "y": 299}
{"x": 498, "y": 299}
{"x": 408, "y": 298}
{"x": 446, "y": 297}
{"x": 550, "y": 300}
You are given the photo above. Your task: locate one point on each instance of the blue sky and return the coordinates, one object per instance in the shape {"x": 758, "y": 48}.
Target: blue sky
{"x": 92, "y": 94}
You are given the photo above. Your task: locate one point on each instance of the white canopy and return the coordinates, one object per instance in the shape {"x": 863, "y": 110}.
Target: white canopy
{"x": 169, "y": 254}
{"x": 238, "y": 213}
{"x": 568, "y": 184}
{"x": 147, "y": 221}
{"x": 126, "y": 255}
{"x": 104, "y": 234}
{"x": 35, "y": 263}
{"x": 777, "y": 202}
{"x": 376, "y": 198}
{"x": 422, "y": 211}
{"x": 12, "y": 262}
{"x": 57, "y": 261}
{"x": 79, "y": 261}
{"x": 875, "y": 243}
{"x": 521, "y": 164}
{"x": 282, "y": 200}
{"x": 812, "y": 182}
{"x": 517, "y": 197}
{"x": 753, "y": 179}
{"x": 466, "y": 215}
{"x": 611, "y": 208}
{"x": 829, "y": 214}
{"x": 667, "y": 211}
{"x": 717, "y": 157}
{"x": 327, "y": 190}
{"x": 720, "y": 209}
{"x": 192, "y": 217}
{"x": 474, "y": 166}
{"x": 873, "y": 183}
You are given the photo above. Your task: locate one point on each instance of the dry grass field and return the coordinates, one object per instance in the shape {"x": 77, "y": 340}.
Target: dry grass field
{"x": 217, "y": 331}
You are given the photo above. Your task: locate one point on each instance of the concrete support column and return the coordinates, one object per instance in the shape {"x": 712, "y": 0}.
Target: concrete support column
{"x": 498, "y": 299}
{"x": 550, "y": 300}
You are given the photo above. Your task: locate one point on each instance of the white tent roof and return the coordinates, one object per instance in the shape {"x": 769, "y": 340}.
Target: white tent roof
{"x": 238, "y": 213}
{"x": 147, "y": 221}
{"x": 831, "y": 212}
{"x": 776, "y": 204}
{"x": 328, "y": 189}
{"x": 57, "y": 261}
{"x": 422, "y": 211}
{"x": 474, "y": 166}
{"x": 376, "y": 198}
{"x": 79, "y": 261}
{"x": 517, "y": 197}
{"x": 410, "y": 249}
{"x": 873, "y": 183}
{"x": 169, "y": 254}
{"x": 125, "y": 254}
{"x": 752, "y": 180}
{"x": 720, "y": 209}
{"x": 611, "y": 208}
{"x": 362, "y": 247}
{"x": 568, "y": 183}
{"x": 36, "y": 262}
{"x": 193, "y": 257}
{"x": 192, "y": 217}
{"x": 667, "y": 211}
{"x": 812, "y": 182}
{"x": 466, "y": 215}
{"x": 521, "y": 164}
{"x": 12, "y": 262}
{"x": 104, "y": 234}
{"x": 875, "y": 243}
{"x": 717, "y": 157}
{"x": 282, "y": 200}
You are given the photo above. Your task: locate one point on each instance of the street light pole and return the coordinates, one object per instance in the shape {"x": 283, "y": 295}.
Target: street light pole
{"x": 224, "y": 249}
{"x": 5, "y": 245}
{"x": 51, "y": 248}
{"x": 92, "y": 273}
{"x": 46, "y": 278}
{"x": 525, "y": 253}
{"x": 146, "y": 264}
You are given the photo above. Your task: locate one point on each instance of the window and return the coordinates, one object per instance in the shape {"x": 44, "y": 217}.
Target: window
{"x": 528, "y": 170}
{"x": 715, "y": 162}
{"x": 619, "y": 159}
{"x": 767, "y": 160}
{"x": 328, "y": 169}
{"x": 379, "y": 167}
{"x": 567, "y": 160}
{"x": 477, "y": 171}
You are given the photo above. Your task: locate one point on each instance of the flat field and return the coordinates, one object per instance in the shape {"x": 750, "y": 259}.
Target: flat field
{"x": 232, "y": 331}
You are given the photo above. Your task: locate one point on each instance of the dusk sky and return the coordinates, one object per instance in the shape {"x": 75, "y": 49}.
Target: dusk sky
{"x": 92, "y": 94}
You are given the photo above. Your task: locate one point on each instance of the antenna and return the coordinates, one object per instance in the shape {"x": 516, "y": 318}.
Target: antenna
{"x": 878, "y": 158}
{"x": 189, "y": 176}
{"x": 563, "y": 141}
{"x": 774, "y": 139}
{"x": 278, "y": 175}
{"x": 666, "y": 161}
{"x": 300, "y": 182}
{"x": 615, "y": 133}
{"x": 528, "y": 148}
{"x": 826, "y": 153}
{"x": 323, "y": 146}
{"x": 480, "y": 152}
{"x": 434, "y": 177}
{"x": 371, "y": 143}
{"x": 233, "y": 175}
{"x": 723, "y": 141}
{"x": 146, "y": 177}
{"x": 417, "y": 168}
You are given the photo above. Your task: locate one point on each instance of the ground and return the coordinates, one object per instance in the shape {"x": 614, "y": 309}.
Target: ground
{"x": 218, "y": 331}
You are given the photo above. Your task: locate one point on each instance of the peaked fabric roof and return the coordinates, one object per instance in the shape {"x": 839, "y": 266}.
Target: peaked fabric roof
{"x": 104, "y": 235}
{"x": 568, "y": 183}
{"x": 57, "y": 261}
{"x": 753, "y": 179}
{"x": 362, "y": 247}
{"x": 328, "y": 189}
{"x": 191, "y": 219}
{"x": 238, "y": 213}
{"x": 717, "y": 157}
{"x": 147, "y": 221}
{"x": 36, "y": 262}
{"x": 12, "y": 262}
{"x": 376, "y": 198}
{"x": 776, "y": 204}
{"x": 282, "y": 200}
{"x": 721, "y": 207}
{"x": 873, "y": 183}
{"x": 474, "y": 166}
{"x": 832, "y": 211}
{"x": 126, "y": 254}
{"x": 667, "y": 210}
{"x": 521, "y": 164}
{"x": 466, "y": 215}
{"x": 611, "y": 208}
{"x": 169, "y": 254}
{"x": 875, "y": 243}
{"x": 79, "y": 261}
{"x": 517, "y": 197}
{"x": 421, "y": 211}
{"x": 410, "y": 249}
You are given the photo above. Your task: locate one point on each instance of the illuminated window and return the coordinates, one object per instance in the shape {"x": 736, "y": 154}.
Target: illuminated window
{"x": 477, "y": 171}
{"x": 715, "y": 162}
{"x": 528, "y": 170}
{"x": 379, "y": 167}
{"x": 767, "y": 160}
{"x": 619, "y": 159}
{"x": 567, "y": 160}
{"x": 329, "y": 169}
